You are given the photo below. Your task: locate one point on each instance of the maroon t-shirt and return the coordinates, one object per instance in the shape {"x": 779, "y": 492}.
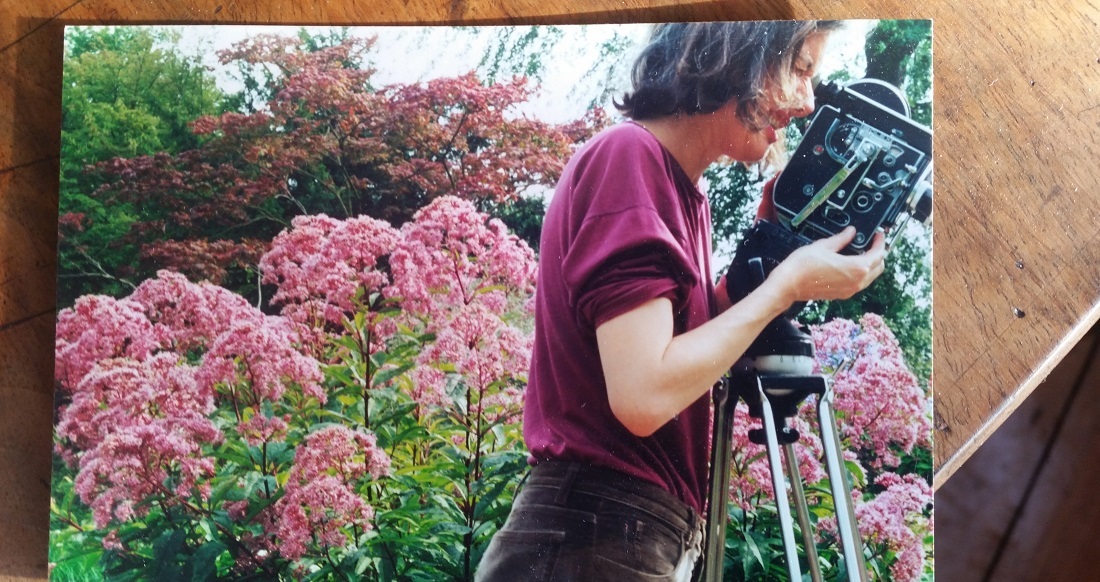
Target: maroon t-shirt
{"x": 625, "y": 225}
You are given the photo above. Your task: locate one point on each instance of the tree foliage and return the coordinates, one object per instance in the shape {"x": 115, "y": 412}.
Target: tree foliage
{"x": 900, "y": 53}
{"x": 129, "y": 91}
{"x": 325, "y": 140}
{"x": 519, "y": 51}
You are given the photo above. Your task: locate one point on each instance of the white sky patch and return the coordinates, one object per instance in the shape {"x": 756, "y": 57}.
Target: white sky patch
{"x": 406, "y": 54}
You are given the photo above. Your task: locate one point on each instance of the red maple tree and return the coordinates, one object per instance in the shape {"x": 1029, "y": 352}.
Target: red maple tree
{"x": 323, "y": 139}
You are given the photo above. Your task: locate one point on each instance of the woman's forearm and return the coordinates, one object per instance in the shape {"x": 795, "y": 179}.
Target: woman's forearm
{"x": 652, "y": 375}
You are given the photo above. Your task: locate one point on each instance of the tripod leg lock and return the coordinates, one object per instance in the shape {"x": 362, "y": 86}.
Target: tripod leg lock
{"x": 785, "y": 434}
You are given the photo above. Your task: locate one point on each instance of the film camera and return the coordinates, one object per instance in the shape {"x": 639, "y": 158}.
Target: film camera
{"x": 862, "y": 162}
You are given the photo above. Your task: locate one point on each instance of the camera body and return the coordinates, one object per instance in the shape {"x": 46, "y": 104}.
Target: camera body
{"x": 862, "y": 162}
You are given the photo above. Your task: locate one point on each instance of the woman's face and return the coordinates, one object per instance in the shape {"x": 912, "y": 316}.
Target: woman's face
{"x": 744, "y": 144}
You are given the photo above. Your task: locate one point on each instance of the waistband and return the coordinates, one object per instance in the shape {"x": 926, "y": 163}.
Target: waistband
{"x": 581, "y": 486}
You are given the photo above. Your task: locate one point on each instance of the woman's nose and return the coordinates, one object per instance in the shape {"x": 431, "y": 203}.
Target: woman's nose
{"x": 803, "y": 104}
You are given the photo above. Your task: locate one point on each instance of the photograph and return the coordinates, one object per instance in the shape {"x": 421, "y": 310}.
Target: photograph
{"x": 532, "y": 302}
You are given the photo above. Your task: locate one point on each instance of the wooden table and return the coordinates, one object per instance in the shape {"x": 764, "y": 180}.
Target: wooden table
{"x": 1017, "y": 114}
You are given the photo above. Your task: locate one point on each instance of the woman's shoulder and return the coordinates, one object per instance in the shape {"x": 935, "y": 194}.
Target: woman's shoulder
{"x": 627, "y": 132}
{"x": 623, "y": 141}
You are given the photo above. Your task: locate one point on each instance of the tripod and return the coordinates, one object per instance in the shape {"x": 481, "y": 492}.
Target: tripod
{"x": 774, "y": 377}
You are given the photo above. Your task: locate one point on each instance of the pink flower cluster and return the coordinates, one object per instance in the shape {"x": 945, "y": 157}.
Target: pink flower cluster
{"x": 99, "y": 328}
{"x": 882, "y": 404}
{"x": 750, "y": 482}
{"x": 451, "y": 255}
{"x": 895, "y": 520}
{"x": 325, "y": 268}
{"x": 457, "y": 274}
{"x": 321, "y": 503}
{"x": 257, "y": 361}
{"x": 880, "y": 409}
{"x": 462, "y": 275}
{"x": 483, "y": 350}
{"x": 140, "y": 428}
{"x": 188, "y": 316}
{"x": 143, "y": 376}
{"x": 146, "y": 376}
{"x": 259, "y": 429}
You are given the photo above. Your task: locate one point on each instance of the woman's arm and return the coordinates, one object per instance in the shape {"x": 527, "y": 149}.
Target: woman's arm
{"x": 652, "y": 375}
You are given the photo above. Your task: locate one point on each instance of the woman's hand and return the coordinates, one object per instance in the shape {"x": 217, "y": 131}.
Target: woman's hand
{"x": 819, "y": 272}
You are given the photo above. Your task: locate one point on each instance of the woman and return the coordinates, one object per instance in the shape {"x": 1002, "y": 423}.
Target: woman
{"x": 630, "y": 331}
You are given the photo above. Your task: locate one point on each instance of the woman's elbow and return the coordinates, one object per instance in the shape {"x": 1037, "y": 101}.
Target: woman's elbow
{"x": 635, "y": 417}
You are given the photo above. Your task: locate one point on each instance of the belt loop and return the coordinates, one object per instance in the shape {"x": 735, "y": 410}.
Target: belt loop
{"x": 567, "y": 483}
{"x": 696, "y": 528}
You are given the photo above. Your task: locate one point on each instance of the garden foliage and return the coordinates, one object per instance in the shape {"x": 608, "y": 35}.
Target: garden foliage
{"x": 371, "y": 428}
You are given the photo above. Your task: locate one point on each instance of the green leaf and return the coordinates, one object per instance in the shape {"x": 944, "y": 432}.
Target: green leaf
{"x": 235, "y": 452}
{"x": 204, "y": 562}
{"x": 489, "y": 497}
{"x": 384, "y": 376}
{"x": 166, "y": 549}
{"x": 859, "y": 478}
{"x": 751, "y": 550}
{"x": 222, "y": 491}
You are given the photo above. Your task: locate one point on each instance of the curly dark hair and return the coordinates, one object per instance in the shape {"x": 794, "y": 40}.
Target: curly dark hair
{"x": 697, "y": 67}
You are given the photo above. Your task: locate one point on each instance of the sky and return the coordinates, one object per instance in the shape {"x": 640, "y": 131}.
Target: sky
{"x": 406, "y": 54}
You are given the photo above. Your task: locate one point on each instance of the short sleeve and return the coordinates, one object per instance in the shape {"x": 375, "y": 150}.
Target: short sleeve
{"x": 634, "y": 258}
{"x": 628, "y": 244}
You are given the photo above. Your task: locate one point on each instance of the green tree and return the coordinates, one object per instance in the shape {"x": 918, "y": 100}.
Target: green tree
{"x": 519, "y": 51}
{"x": 128, "y": 91}
{"x": 900, "y": 53}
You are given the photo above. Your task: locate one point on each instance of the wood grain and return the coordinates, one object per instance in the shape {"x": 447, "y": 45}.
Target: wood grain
{"x": 1016, "y": 119}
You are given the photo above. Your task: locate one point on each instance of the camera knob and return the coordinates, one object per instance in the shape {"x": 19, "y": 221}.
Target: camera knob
{"x": 920, "y": 202}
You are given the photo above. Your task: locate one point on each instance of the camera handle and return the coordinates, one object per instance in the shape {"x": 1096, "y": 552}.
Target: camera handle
{"x": 774, "y": 377}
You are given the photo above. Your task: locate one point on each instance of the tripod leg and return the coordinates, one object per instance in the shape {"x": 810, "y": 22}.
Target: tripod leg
{"x": 725, "y": 404}
{"x": 802, "y": 511}
{"x": 780, "y": 486}
{"x": 850, "y": 540}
